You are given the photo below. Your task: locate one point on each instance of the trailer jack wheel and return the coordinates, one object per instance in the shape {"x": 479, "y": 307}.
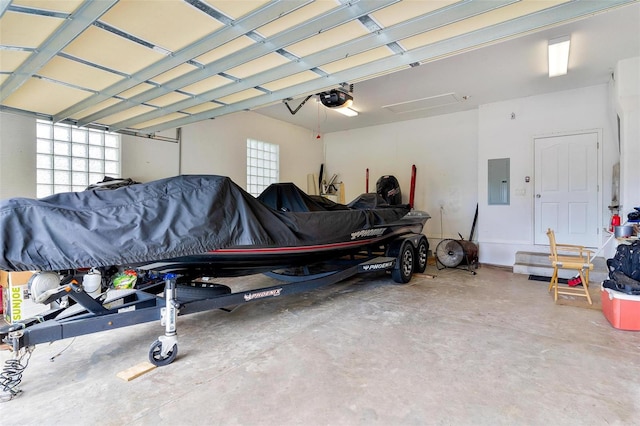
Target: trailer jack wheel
{"x": 160, "y": 357}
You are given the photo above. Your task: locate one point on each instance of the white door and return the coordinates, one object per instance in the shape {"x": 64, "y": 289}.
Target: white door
{"x": 566, "y": 188}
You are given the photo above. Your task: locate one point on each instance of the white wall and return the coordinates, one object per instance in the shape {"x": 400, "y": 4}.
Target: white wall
{"x": 444, "y": 150}
{"x": 209, "y": 147}
{"x": 144, "y": 159}
{"x": 451, "y": 154}
{"x": 17, "y": 156}
{"x": 627, "y": 88}
{"x": 507, "y": 229}
{"x": 220, "y": 147}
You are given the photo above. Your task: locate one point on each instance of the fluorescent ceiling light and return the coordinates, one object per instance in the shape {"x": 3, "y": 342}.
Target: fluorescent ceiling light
{"x": 346, "y": 111}
{"x": 423, "y": 103}
{"x": 559, "y": 56}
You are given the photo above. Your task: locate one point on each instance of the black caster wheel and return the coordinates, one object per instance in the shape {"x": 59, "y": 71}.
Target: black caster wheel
{"x": 155, "y": 354}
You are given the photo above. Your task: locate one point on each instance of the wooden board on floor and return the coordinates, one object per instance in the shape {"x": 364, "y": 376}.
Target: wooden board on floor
{"x": 136, "y": 371}
{"x": 423, "y": 275}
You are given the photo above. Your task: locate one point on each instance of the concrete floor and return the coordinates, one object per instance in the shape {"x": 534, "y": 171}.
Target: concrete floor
{"x": 456, "y": 349}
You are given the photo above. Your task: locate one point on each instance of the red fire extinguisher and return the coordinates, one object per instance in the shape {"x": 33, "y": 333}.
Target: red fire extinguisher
{"x": 615, "y": 221}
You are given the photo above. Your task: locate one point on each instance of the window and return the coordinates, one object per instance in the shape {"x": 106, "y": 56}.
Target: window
{"x": 69, "y": 158}
{"x": 262, "y": 165}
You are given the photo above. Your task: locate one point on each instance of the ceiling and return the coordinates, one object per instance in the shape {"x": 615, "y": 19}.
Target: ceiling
{"x": 144, "y": 66}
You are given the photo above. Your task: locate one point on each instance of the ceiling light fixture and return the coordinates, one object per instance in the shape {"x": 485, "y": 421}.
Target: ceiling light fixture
{"x": 559, "y": 56}
{"x": 346, "y": 111}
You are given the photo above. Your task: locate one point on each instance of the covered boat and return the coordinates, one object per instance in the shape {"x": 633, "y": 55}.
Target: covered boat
{"x": 191, "y": 220}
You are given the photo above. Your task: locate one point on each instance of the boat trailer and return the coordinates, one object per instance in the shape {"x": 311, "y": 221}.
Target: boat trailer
{"x": 121, "y": 308}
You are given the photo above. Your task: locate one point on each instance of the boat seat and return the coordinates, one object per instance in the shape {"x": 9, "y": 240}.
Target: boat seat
{"x": 287, "y": 197}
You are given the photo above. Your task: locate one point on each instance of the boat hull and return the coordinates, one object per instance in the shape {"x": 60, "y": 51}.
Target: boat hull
{"x": 246, "y": 260}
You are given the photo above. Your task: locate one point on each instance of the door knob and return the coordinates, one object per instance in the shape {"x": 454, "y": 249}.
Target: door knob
{"x": 538, "y": 195}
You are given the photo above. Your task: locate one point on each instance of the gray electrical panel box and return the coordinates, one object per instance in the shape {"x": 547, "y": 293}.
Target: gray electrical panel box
{"x": 499, "y": 181}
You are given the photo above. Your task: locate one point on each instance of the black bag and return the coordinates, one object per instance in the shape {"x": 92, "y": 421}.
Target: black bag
{"x": 626, "y": 260}
{"x": 624, "y": 269}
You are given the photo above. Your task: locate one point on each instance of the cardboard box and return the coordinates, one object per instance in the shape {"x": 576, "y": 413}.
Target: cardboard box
{"x": 15, "y": 296}
{"x": 621, "y": 309}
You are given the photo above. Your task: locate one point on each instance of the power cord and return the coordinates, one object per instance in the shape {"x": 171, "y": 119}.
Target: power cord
{"x": 11, "y": 375}
{"x": 53, "y": 358}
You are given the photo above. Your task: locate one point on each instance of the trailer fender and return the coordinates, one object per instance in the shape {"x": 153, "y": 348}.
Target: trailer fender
{"x": 394, "y": 247}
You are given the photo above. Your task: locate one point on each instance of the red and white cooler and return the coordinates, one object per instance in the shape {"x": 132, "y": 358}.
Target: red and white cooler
{"x": 621, "y": 309}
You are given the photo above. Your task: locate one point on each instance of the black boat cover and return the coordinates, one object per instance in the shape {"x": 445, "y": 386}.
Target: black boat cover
{"x": 287, "y": 197}
{"x": 168, "y": 218}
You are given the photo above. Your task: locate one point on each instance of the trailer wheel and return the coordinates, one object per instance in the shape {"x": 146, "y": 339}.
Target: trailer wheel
{"x": 421, "y": 254}
{"x": 404, "y": 268}
{"x": 155, "y": 354}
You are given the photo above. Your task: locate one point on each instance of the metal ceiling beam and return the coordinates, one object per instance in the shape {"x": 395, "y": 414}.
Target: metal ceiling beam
{"x": 518, "y": 26}
{"x": 77, "y": 22}
{"x": 453, "y": 13}
{"x": 332, "y": 19}
{"x": 260, "y": 17}
{"x": 4, "y": 4}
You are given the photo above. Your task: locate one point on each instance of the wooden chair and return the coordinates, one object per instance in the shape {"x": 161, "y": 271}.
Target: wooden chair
{"x": 571, "y": 257}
